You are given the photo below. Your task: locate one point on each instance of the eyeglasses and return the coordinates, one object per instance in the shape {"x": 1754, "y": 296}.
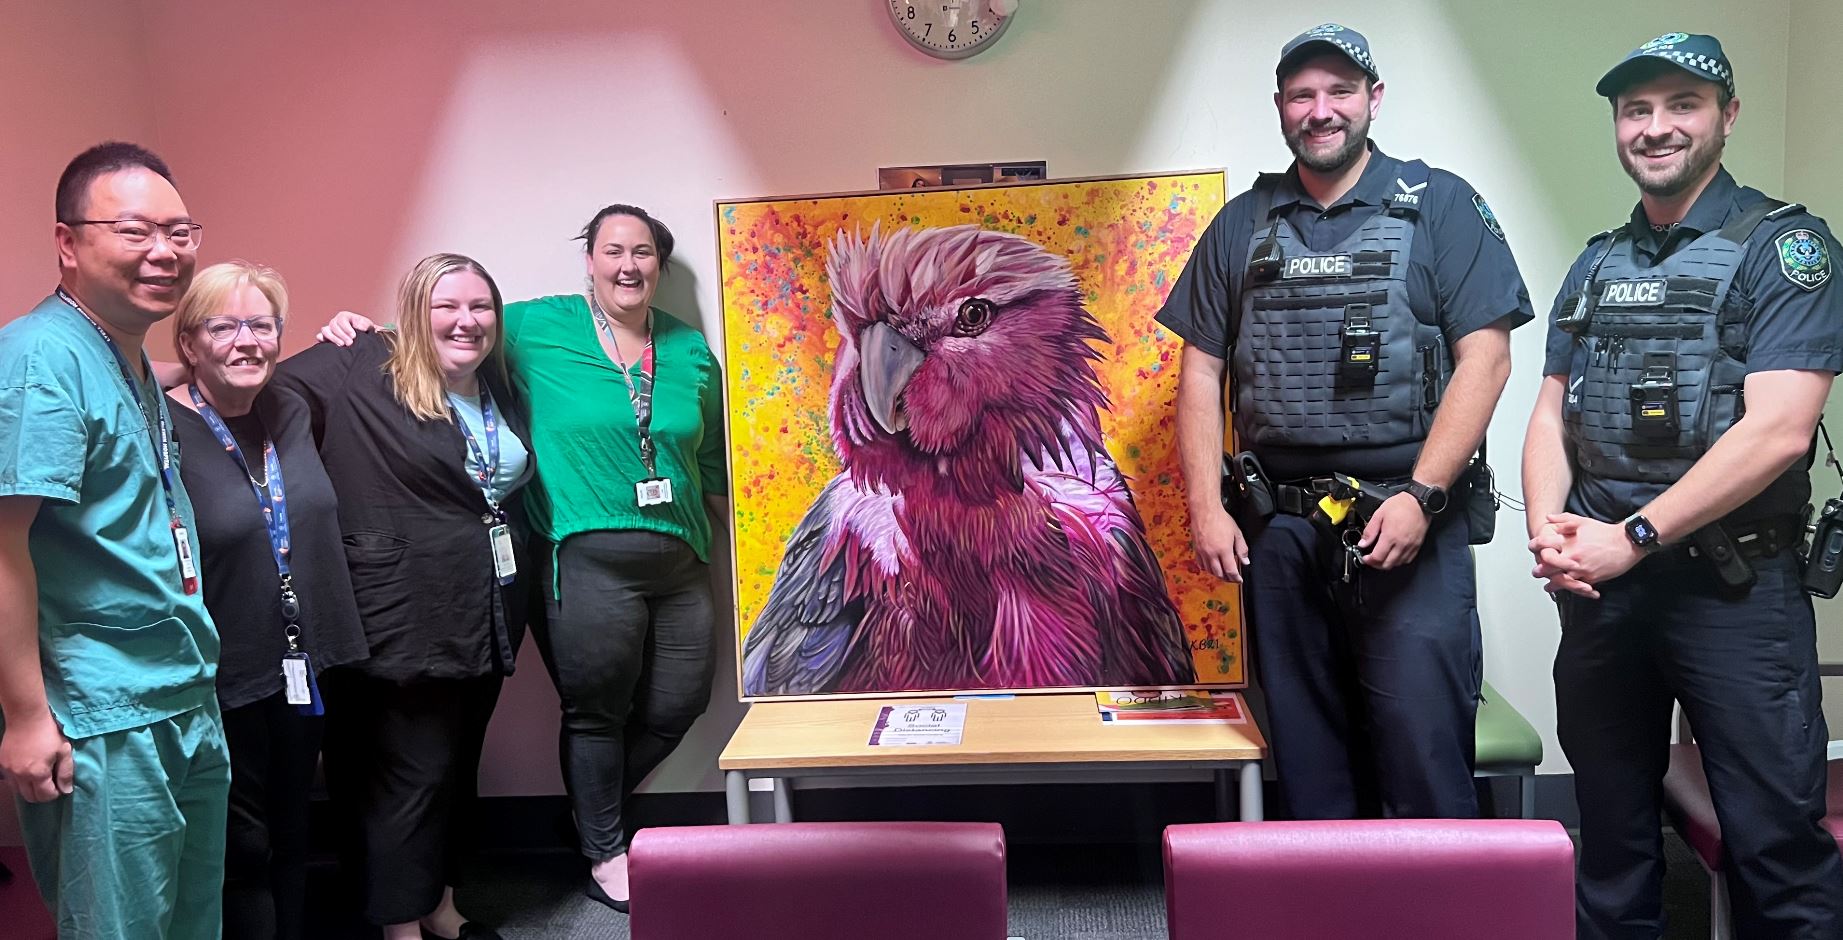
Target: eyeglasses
{"x": 140, "y": 233}
{"x": 225, "y": 329}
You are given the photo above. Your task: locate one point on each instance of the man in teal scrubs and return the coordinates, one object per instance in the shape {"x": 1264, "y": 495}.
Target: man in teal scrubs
{"x": 109, "y": 727}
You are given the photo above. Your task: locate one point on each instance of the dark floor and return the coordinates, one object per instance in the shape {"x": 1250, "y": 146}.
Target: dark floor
{"x": 1057, "y": 893}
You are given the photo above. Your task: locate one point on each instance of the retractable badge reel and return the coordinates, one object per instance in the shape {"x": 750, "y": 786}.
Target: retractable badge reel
{"x": 652, "y": 491}
{"x": 302, "y": 691}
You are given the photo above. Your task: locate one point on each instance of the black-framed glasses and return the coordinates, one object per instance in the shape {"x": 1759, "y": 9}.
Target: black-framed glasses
{"x": 140, "y": 233}
{"x": 224, "y": 329}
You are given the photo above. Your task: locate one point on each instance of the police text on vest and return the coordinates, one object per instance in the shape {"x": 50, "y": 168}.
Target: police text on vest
{"x": 1318, "y": 266}
{"x": 1646, "y": 293}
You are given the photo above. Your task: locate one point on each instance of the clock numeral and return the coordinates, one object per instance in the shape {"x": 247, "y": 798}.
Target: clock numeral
{"x": 911, "y": 11}
{"x": 929, "y": 29}
{"x": 951, "y": 37}
{"x": 975, "y": 27}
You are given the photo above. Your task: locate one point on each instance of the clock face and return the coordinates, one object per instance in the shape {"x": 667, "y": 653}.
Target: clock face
{"x": 950, "y": 29}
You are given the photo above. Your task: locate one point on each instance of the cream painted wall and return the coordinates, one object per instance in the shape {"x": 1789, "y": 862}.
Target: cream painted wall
{"x": 341, "y": 140}
{"x": 1813, "y": 136}
{"x": 71, "y": 74}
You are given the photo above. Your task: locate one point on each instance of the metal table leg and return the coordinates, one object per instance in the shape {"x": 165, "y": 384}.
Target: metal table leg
{"x": 736, "y": 795}
{"x": 1252, "y": 809}
{"x": 783, "y": 802}
{"x": 1225, "y": 785}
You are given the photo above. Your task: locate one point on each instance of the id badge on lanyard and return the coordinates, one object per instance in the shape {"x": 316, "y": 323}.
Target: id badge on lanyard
{"x": 162, "y": 437}
{"x": 498, "y": 534}
{"x": 654, "y": 492}
{"x": 505, "y": 561}
{"x": 188, "y": 569}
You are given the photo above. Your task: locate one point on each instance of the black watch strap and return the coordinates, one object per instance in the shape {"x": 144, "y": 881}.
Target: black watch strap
{"x": 1431, "y": 498}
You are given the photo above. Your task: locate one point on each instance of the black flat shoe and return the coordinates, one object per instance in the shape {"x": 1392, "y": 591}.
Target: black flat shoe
{"x": 469, "y": 931}
{"x": 595, "y": 893}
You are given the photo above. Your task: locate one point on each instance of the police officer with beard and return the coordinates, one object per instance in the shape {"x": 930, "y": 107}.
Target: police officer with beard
{"x": 1361, "y": 307}
{"x": 1665, "y": 468}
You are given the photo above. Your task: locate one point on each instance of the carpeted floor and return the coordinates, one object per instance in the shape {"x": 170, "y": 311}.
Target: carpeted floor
{"x": 1056, "y": 893}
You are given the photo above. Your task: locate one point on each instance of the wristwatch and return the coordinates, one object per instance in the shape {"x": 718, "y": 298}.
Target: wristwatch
{"x": 1431, "y": 498}
{"x": 1642, "y": 533}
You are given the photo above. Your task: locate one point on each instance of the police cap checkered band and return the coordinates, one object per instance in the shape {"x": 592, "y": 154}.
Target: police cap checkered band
{"x": 1332, "y": 38}
{"x": 1694, "y": 53}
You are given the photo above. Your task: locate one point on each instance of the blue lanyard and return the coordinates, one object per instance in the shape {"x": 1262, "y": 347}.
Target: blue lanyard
{"x": 487, "y": 463}
{"x": 160, "y": 433}
{"x": 269, "y": 497}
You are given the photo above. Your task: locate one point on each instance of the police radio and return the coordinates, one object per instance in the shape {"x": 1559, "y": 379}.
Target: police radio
{"x": 1824, "y": 564}
{"x": 1265, "y": 263}
{"x": 1824, "y": 551}
{"x": 1576, "y": 311}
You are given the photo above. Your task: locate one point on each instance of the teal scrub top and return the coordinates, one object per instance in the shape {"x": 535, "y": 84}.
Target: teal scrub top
{"x": 121, "y": 644}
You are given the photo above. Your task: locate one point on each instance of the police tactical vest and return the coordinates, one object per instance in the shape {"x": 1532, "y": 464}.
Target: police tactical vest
{"x": 1327, "y": 351}
{"x": 1659, "y": 354}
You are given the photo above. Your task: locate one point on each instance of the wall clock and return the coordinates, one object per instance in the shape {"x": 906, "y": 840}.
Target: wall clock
{"x": 952, "y": 29}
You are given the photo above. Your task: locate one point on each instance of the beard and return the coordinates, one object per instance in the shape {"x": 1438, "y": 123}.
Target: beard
{"x": 1356, "y": 138}
{"x": 1669, "y": 181}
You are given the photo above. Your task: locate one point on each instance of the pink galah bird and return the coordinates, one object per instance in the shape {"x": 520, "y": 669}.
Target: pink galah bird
{"x": 979, "y": 535}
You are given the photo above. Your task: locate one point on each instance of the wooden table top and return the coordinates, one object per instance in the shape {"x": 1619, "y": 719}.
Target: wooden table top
{"x": 1027, "y": 729}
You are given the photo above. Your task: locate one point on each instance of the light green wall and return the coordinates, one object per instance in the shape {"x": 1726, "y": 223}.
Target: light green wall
{"x": 1813, "y": 139}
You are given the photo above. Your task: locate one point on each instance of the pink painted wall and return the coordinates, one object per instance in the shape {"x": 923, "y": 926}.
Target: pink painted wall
{"x": 72, "y": 73}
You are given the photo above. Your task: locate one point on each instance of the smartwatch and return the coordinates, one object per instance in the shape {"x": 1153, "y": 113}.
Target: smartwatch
{"x": 1431, "y": 498}
{"x": 1642, "y": 533}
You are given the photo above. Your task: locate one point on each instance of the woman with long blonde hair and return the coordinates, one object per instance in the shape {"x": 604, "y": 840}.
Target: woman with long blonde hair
{"x": 426, "y": 447}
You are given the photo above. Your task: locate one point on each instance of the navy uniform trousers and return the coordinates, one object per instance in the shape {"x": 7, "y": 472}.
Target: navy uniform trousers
{"x": 1371, "y": 699}
{"x": 1745, "y": 670}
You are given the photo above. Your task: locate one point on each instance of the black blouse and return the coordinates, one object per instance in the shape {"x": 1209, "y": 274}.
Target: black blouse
{"x": 415, "y": 524}
{"x": 242, "y": 589}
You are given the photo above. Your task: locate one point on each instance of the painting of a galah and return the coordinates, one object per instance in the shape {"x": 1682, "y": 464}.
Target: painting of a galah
{"x": 973, "y": 530}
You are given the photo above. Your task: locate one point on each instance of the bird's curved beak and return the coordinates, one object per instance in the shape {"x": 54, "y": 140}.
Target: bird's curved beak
{"x": 887, "y": 361}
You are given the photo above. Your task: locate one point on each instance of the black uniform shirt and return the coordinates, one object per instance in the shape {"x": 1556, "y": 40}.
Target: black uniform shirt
{"x": 1460, "y": 272}
{"x": 1788, "y": 327}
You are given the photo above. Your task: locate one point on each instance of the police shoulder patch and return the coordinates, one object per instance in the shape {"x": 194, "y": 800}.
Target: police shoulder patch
{"x": 1804, "y": 259}
{"x": 1484, "y": 212}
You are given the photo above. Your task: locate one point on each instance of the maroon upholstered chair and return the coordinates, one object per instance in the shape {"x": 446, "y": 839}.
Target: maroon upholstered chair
{"x": 22, "y": 911}
{"x": 1692, "y": 811}
{"x": 820, "y": 881}
{"x": 1432, "y": 879}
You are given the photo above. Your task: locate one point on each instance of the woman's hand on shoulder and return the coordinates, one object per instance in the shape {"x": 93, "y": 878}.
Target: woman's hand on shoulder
{"x": 344, "y": 328}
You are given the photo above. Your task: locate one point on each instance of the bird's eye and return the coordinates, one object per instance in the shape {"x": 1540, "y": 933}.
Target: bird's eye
{"x": 975, "y": 315}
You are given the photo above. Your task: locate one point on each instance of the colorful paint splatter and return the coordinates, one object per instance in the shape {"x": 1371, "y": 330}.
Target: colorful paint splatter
{"x": 1125, "y": 242}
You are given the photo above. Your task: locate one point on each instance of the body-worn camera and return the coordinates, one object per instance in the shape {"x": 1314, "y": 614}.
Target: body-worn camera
{"x": 1654, "y": 398}
{"x": 1824, "y": 563}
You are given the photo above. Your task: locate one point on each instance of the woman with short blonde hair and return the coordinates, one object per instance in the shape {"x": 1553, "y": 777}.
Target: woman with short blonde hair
{"x": 212, "y": 286}
{"x": 275, "y": 581}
